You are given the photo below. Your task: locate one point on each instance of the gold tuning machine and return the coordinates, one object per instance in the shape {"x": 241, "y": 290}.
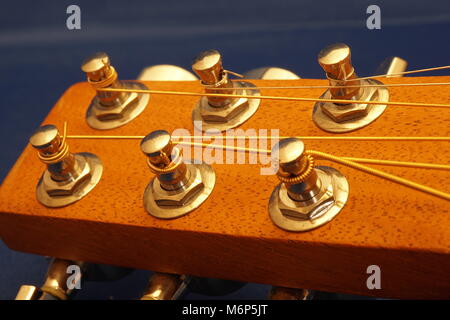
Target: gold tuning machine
{"x": 178, "y": 187}
{"x": 221, "y": 113}
{"x": 55, "y": 286}
{"x": 110, "y": 110}
{"x": 392, "y": 67}
{"x": 165, "y": 286}
{"x": 307, "y": 196}
{"x": 345, "y": 85}
{"x": 283, "y": 293}
{"x": 68, "y": 177}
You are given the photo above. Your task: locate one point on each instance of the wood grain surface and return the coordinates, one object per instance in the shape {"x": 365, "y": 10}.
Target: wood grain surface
{"x": 405, "y": 232}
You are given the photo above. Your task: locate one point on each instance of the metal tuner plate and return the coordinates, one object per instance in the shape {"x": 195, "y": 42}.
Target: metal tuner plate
{"x": 118, "y": 116}
{"x": 166, "y": 204}
{"x": 333, "y": 197}
{"x": 73, "y": 190}
{"x": 240, "y": 118}
{"x": 326, "y": 123}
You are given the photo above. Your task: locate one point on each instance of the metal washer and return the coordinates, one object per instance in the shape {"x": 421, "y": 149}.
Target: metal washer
{"x": 129, "y": 115}
{"x": 326, "y": 123}
{"x": 95, "y": 170}
{"x": 208, "y": 177}
{"x": 239, "y": 119}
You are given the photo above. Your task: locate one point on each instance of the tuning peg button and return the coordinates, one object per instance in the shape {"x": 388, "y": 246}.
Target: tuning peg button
{"x": 208, "y": 66}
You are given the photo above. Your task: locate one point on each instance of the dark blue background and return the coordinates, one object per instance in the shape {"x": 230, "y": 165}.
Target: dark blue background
{"x": 40, "y": 58}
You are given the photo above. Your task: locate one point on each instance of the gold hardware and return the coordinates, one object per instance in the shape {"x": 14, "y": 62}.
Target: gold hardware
{"x": 283, "y": 293}
{"x": 308, "y": 196}
{"x": 221, "y": 112}
{"x": 68, "y": 177}
{"x": 345, "y": 85}
{"x": 111, "y": 109}
{"x": 165, "y": 286}
{"x": 393, "y": 67}
{"x": 27, "y": 292}
{"x": 179, "y": 187}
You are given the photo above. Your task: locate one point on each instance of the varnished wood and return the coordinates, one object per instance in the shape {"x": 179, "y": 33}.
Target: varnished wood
{"x": 231, "y": 236}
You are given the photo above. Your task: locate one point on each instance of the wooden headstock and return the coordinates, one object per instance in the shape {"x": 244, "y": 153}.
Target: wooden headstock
{"x": 230, "y": 236}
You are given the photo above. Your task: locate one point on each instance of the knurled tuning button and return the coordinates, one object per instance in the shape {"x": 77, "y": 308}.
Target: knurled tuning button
{"x": 68, "y": 177}
{"x": 221, "y": 113}
{"x": 110, "y": 110}
{"x": 178, "y": 187}
{"x": 308, "y": 196}
{"x": 340, "y": 117}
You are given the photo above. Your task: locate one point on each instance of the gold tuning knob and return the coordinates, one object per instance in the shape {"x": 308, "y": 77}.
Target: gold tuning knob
{"x": 208, "y": 66}
{"x": 97, "y": 66}
{"x": 336, "y": 61}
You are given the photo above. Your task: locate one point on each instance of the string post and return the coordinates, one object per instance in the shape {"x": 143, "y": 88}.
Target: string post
{"x": 179, "y": 187}
{"x": 100, "y": 74}
{"x": 308, "y": 196}
{"x": 54, "y": 152}
{"x": 164, "y": 160}
{"x": 226, "y": 111}
{"x": 68, "y": 177}
{"x": 111, "y": 109}
{"x": 336, "y": 116}
{"x": 335, "y": 60}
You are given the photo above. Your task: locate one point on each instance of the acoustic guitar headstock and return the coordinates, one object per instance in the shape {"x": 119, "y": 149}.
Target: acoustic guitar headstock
{"x": 300, "y": 183}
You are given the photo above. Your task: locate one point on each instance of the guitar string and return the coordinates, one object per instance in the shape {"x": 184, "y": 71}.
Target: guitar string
{"x": 359, "y": 160}
{"x": 352, "y": 163}
{"x": 246, "y": 149}
{"x": 423, "y": 84}
{"x": 347, "y": 162}
{"x": 221, "y": 95}
{"x": 401, "y": 73}
{"x": 376, "y": 76}
{"x": 340, "y": 138}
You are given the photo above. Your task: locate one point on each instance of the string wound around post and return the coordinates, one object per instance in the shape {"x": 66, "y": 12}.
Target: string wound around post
{"x": 307, "y": 196}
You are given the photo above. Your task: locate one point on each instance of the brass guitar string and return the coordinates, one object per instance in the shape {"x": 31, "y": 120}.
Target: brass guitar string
{"x": 422, "y": 84}
{"x": 99, "y": 86}
{"x": 350, "y": 162}
{"x": 221, "y": 95}
{"x": 353, "y": 163}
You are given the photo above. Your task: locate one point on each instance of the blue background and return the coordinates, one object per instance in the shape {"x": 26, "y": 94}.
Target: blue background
{"x": 40, "y": 59}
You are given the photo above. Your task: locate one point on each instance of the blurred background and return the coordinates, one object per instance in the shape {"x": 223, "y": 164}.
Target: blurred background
{"x": 40, "y": 58}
